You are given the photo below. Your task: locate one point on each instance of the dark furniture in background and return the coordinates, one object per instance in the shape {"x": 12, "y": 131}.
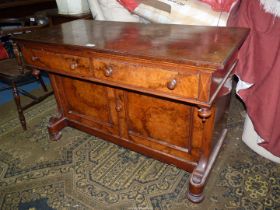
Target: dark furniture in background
{"x": 55, "y": 18}
{"x": 22, "y": 8}
{"x": 160, "y": 90}
{"x": 13, "y": 71}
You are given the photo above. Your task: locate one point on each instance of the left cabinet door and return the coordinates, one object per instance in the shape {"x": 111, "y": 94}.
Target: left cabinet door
{"x": 87, "y": 103}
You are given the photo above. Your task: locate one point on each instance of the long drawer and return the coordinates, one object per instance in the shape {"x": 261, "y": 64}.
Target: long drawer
{"x": 130, "y": 74}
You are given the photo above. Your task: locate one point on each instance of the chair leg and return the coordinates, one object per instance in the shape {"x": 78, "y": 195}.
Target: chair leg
{"x": 37, "y": 75}
{"x": 42, "y": 83}
{"x": 19, "y": 108}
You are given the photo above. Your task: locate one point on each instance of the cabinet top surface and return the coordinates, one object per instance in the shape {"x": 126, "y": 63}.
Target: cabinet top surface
{"x": 194, "y": 45}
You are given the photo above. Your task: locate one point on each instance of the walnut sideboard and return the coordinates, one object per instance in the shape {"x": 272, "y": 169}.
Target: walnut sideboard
{"x": 160, "y": 90}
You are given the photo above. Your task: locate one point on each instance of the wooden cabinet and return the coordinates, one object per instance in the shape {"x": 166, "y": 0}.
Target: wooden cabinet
{"x": 165, "y": 97}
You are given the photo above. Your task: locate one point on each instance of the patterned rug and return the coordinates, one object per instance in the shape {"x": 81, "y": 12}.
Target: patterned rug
{"x": 84, "y": 172}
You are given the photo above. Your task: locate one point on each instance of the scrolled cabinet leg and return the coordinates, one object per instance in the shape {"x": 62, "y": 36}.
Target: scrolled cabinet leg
{"x": 195, "y": 198}
{"x": 56, "y": 124}
{"x": 197, "y": 181}
{"x": 198, "y": 177}
{"x": 201, "y": 172}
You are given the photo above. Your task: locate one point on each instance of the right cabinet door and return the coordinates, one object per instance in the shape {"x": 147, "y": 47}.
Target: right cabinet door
{"x": 161, "y": 124}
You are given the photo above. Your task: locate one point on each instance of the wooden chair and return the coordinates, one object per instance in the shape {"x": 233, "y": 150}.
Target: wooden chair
{"x": 14, "y": 73}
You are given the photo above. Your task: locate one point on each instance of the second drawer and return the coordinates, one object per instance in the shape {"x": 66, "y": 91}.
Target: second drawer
{"x": 147, "y": 77}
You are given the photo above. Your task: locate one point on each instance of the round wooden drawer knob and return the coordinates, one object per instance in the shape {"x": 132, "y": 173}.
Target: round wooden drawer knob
{"x": 172, "y": 84}
{"x": 108, "y": 72}
{"x": 34, "y": 58}
{"x": 73, "y": 66}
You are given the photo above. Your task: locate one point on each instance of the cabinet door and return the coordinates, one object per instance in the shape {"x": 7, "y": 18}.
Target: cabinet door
{"x": 88, "y": 103}
{"x": 159, "y": 124}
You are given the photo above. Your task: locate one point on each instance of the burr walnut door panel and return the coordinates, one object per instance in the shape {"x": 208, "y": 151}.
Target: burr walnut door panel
{"x": 88, "y": 103}
{"x": 159, "y": 124}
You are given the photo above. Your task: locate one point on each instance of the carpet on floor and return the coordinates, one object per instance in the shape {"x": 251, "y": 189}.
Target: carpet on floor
{"x": 85, "y": 172}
